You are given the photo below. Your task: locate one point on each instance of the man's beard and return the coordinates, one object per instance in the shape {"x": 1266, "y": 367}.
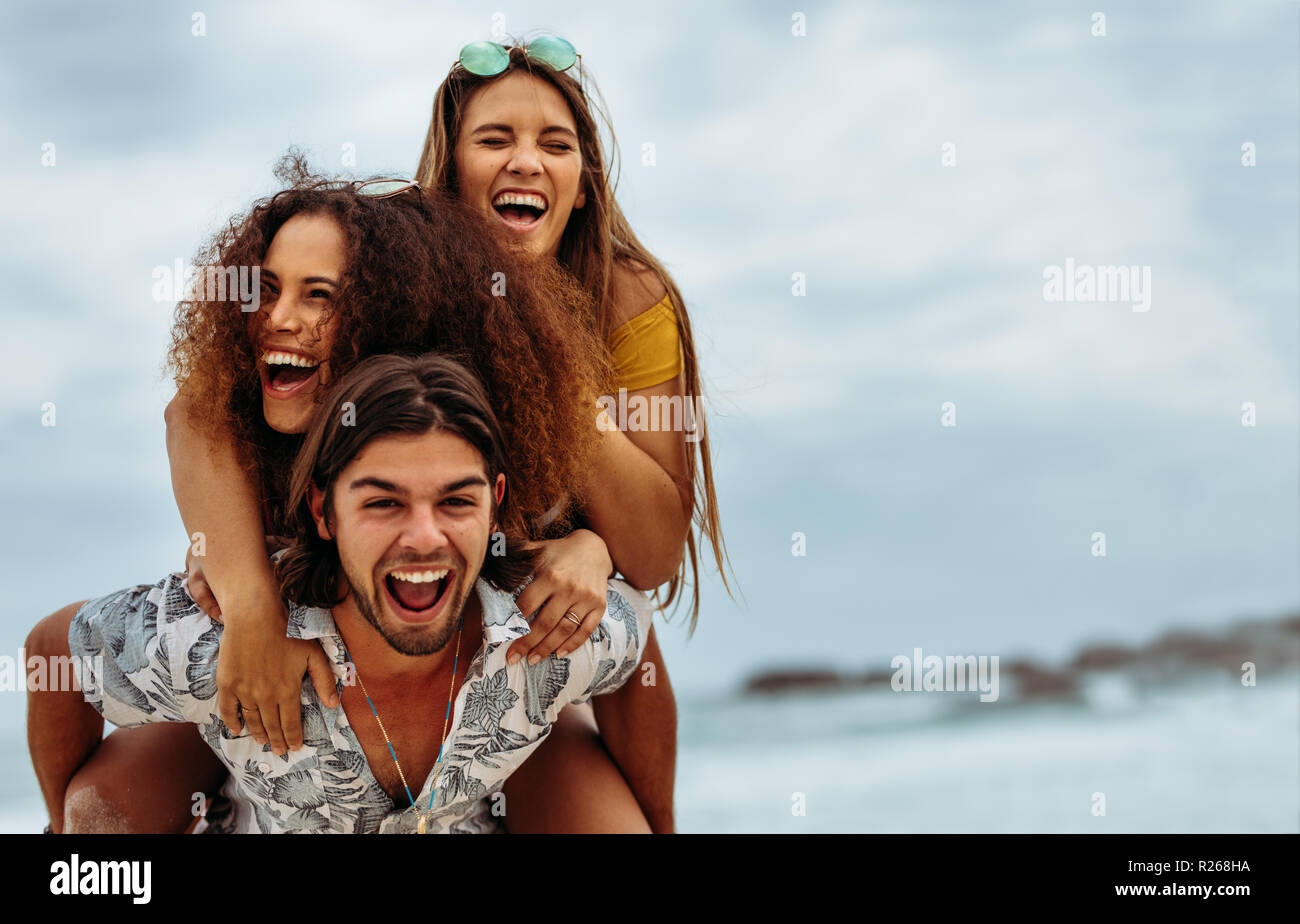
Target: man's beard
{"x": 414, "y": 640}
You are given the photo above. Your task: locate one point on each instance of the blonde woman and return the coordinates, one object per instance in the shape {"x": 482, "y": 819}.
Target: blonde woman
{"x": 514, "y": 133}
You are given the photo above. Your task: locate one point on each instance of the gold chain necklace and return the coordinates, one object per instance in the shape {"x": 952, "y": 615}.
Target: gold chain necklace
{"x": 437, "y": 767}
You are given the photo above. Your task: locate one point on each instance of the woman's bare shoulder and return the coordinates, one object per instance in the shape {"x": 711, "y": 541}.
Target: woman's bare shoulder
{"x": 636, "y": 287}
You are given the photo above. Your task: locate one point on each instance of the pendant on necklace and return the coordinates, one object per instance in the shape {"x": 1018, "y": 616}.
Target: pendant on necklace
{"x": 419, "y": 828}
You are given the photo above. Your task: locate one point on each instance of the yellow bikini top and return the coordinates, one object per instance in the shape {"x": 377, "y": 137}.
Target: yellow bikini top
{"x": 646, "y": 350}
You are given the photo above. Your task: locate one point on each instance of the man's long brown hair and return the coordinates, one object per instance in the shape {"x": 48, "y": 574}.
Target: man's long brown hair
{"x": 385, "y": 396}
{"x": 596, "y": 236}
{"x": 422, "y": 273}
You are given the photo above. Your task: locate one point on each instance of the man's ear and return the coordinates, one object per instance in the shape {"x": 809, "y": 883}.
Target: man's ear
{"x": 316, "y": 501}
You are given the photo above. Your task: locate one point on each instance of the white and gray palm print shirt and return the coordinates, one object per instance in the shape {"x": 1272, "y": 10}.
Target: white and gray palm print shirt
{"x": 152, "y": 656}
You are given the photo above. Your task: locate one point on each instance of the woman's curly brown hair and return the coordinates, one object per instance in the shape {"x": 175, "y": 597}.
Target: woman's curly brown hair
{"x": 423, "y": 272}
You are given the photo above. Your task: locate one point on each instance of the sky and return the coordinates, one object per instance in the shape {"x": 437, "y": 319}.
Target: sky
{"x": 920, "y": 164}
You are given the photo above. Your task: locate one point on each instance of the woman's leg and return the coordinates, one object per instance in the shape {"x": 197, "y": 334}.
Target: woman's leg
{"x": 571, "y": 786}
{"x": 62, "y": 732}
{"x": 146, "y": 780}
{"x": 139, "y": 780}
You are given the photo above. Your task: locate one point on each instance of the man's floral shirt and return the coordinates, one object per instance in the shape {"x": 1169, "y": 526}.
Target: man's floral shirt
{"x": 157, "y": 652}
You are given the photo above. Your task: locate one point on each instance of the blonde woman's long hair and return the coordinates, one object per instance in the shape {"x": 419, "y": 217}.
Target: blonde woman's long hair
{"x": 596, "y": 236}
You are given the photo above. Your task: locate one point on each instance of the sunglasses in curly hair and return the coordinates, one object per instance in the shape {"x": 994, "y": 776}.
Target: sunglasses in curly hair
{"x": 487, "y": 59}
{"x": 376, "y": 189}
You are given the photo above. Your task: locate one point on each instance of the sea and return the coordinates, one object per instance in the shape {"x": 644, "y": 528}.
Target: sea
{"x": 1207, "y": 755}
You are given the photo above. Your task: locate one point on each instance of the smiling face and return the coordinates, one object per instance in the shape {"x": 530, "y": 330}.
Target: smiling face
{"x": 300, "y": 275}
{"x": 412, "y": 516}
{"x": 518, "y": 160}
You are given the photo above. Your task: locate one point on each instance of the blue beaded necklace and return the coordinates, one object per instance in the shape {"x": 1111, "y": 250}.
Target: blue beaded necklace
{"x": 420, "y": 816}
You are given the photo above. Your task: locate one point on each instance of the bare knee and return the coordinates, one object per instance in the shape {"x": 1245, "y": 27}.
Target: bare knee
{"x": 570, "y": 785}
{"x": 97, "y": 799}
{"x": 150, "y": 779}
{"x": 50, "y": 635}
{"x": 87, "y": 810}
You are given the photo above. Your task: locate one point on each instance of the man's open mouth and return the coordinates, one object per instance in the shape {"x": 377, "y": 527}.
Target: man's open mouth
{"x": 521, "y": 210}
{"x": 417, "y": 594}
{"x": 287, "y": 373}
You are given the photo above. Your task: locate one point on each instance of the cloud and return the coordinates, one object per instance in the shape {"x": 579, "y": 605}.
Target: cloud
{"x": 774, "y": 154}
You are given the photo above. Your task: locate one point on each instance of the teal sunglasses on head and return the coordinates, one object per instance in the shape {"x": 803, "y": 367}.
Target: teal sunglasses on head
{"x": 487, "y": 59}
{"x": 377, "y": 189}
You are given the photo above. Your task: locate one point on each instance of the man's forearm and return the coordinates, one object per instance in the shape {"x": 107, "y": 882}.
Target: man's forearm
{"x": 638, "y": 723}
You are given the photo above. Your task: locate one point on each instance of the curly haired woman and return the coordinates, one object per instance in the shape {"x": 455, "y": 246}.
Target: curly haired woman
{"x": 347, "y": 272}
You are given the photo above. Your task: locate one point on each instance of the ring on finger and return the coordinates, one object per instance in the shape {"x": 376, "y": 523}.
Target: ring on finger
{"x": 572, "y": 618}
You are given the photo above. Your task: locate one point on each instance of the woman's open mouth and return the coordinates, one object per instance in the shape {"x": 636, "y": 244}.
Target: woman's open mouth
{"x": 520, "y": 212}
{"x": 286, "y": 374}
{"x": 418, "y": 596}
